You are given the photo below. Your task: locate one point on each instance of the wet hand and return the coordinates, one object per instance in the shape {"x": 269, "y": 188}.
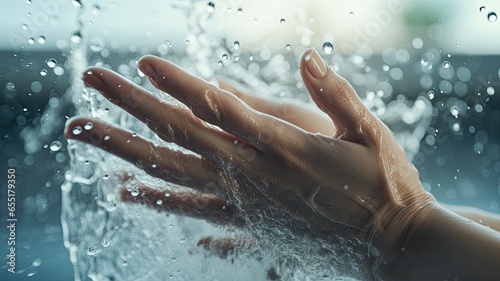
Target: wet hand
{"x": 351, "y": 179}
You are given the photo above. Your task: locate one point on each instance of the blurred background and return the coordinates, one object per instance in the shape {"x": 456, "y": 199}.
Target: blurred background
{"x": 444, "y": 52}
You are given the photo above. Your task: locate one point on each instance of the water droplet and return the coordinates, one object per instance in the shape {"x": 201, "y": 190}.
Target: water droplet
{"x": 210, "y": 7}
{"x": 454, "y": 110}
{"x": 93, "y": 250}
{"x": 482, "y": 8}
{"x": 77, "y": 3}
{"x": 346, "y": 187}
{"x": 77, "y": 130}
{"x": 88, "y": 126}
{"x": 282, "y": 21}
{"x": 154, "y": 166}
{"x": 167, "y": 194}
{"x": 96, "y": 10}
{"x": 424, "y": 62}
{"x": 159, "y": 202}
{"x": 28, "y": 2}
{"x": 37, "y": 262}
{"x": 490, "y": 91}
{"x": 240, "y": 11}
{"x": 288, "y": 47}
{"x": 31, "y": 41}
{"x": 55, "y": 146}
{"x": 43, "y": 72}
{"x": 236, "y": 45}
{"x": 107, "y": 138}
{"x": 105, "y": 176}
{"x": 51, "y": 62}
{"x": 134, "y": 135}
{"x": 351, "y": 14}
{"x": 492, "y": 17}
{"x": 24, "y": 26}
{"x": 134, "y": 192}
{"x": 431, "y": 94}
{"x": 446, "y": 64}
{"x": 327, "y": 48}
{"x": 97, "y": 44}
{"x": 225, "y": 57}
{"x": 76, "y": 37}
{"x": 187, "y": 42}
{"x": 41, "y": 40}
{"x": 106, "y": 242}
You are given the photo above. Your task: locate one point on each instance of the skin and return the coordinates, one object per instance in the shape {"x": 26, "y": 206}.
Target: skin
{"x": 344, "y": 174}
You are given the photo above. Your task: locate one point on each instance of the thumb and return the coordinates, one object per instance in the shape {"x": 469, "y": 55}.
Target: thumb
{"x": 336, "y": 97}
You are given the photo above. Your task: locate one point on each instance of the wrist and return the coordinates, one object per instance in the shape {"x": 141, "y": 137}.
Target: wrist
{"x": 396, "y": 231}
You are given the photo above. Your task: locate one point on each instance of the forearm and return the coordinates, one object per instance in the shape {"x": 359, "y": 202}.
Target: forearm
{"x": 482, "y": 217}
{"x": 445, "y": 246}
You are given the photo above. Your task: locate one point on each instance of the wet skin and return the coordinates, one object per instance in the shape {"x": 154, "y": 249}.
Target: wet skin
{"x": 340, "y": 172}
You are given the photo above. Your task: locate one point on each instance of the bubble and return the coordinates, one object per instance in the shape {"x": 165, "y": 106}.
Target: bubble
{"x": 51, "y": 62}
{"x": 327, "y": 48}
{"x": 282, "y": 21}
{"x": 43, "y": 72}
{"x": 55, "y": 146}
{"x": 446, "y": 64}
{"x": 478, "y": 108}
{"x": 88, "y": 126}
{"x": 210, "y": 7}
{"x": 490, "y": 91}
{"x": 236, "y": 45}
{"x": 77, "y": 130}
{"x": 76, "y": 37}
{"x": 492, "y": 17}
{"x": 482, "y": 8}
{"x": 42, "y": 40}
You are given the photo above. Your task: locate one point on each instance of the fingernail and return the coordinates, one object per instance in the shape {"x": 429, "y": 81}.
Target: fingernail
{"x": 93, "y": 80}
{"x": 315, "y": 65}
{"x": 147, "y": 69}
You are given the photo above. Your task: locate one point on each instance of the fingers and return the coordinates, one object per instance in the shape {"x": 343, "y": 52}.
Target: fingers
{"x": 173, "y": 123}
{"x": 335, "y": 96}
{"x": 192, "y": 204}
{"x": 156, "y": 160}
{"x": 212, "y": 104}
{"x": 290, "y": 111}
{"x": 222, "y": 247}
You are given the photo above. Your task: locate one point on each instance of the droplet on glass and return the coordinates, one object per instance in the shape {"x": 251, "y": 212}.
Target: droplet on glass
{"x": 93, "y": 250}
{"x": 96, "y": 44}
{"x": 43, "y": 72}
{"x": 77, "y": 130}
{"x": 327, "y": 48}
{"x": 77, "y": 3}
{"x": 282, "y": 21}
{"x": 55, "y": 146}
{"x": 24, "y": 26}
{"x": 351, "y": 14}
{"x": 88, "y": 126}
{"x": 492, "y": 17}
{"x": 210, "y": 7}
{"x": 236, "y": 45}
{"x": 446, "y": 64}
{"x": 225, "y": 57}
{"x": 76, "y": 37}
{"x": 41, "y": 40}
{"x": 288, "y": 47}
{"x": 31, "y": 41}
{"x": 431, "y": 94}
{"x": 490, "y": 91}
{"x": 159, "y": 202}
{"x": 106, "y": 242}
{"x": 51, "y": 62}
{"x": 482, "y": 8}
{"x": 187, "y": 42}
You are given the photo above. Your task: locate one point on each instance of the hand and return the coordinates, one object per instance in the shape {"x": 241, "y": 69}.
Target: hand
{"x": 352, "y": 179}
